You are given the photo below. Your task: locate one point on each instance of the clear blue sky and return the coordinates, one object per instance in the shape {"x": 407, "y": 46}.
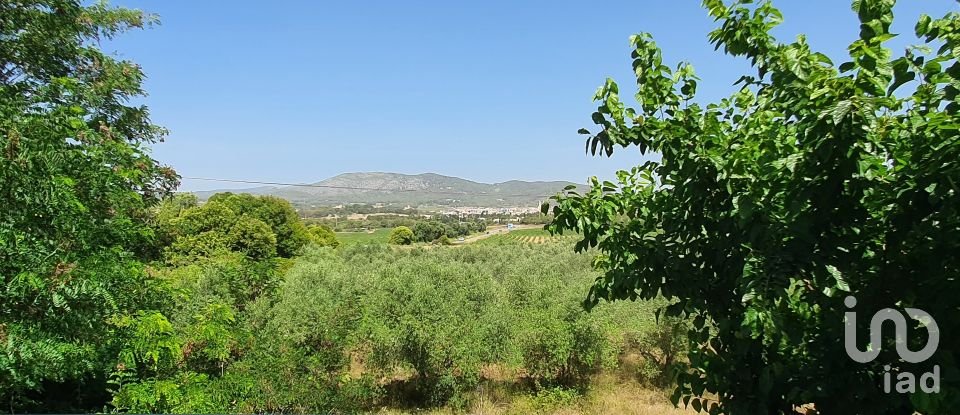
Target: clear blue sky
{"x": 297, "y": 91}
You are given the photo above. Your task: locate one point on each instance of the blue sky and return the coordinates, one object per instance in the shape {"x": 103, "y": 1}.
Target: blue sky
{"x": 297, "y": 91}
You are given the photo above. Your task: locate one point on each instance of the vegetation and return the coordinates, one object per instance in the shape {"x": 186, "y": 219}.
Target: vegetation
{"x": 401, "y": 235}
{"x": 393, "y": 221}
{"x": 323, "y": 236}
{"x": 368, "y": 325}
{"x": 75, "y": 183}
{"x": 812, "y": 182}
{"x": 525, "y": 236}
{"x": 448, "y": 228}
{"x": 379, "y": 236}
{"x": 739, "y": 248}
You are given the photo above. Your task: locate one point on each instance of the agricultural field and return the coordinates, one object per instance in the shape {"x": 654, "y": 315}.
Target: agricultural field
{"x": 526, "y": 236}
{"x": 484, "y": 328}
{"x": 377, "y": 236}
{"x": 297, "y": 323}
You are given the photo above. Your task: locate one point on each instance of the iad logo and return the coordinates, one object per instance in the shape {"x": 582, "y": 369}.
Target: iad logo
{"x": 906, "y": 382}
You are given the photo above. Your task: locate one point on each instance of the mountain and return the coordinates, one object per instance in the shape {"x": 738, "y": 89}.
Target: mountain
{"x": 410, "y": 189}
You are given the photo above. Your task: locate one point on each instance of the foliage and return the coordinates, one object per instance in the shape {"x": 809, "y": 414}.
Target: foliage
{"x": 223, "y": 257}
{"x": 428, "y": 231}
{"x": 433, "y": 230}
{"x": 662, "y": 350}
{"x": 811, "y": 182}
{"x": 277, "y": 213}
{"x": 148, "y": 378}
{"x": 260, "y": 227}
{"x": 369, "y": 325}
{"x": 253, "y": 238}
{"x": 323, "y": 236}
{"x": 401, "y": 235}
{"x": 379, "y": 236}
{"x": 76, "y": 179}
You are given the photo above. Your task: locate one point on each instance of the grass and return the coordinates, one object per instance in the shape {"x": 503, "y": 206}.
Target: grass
{"x": 609, "y": 395}
{"x": 378, "y": 236}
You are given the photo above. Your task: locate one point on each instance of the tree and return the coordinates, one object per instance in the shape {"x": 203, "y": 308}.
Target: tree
{"x": 76, "y": 180}
{"x": 262, "y": 227}
{"x": 767, "y": 209}
{"x": 275, "y": 212}
{"x": 323, "y": 236}
{"x": 428, "y": 231}
{"x": 401, "y": 235}
{"x": 253, "y": 238}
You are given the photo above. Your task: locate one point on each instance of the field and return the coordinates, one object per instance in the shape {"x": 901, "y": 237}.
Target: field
{"x": 610, "y": 395}
{"x": 377, "y": 236}
{"x": 526, "y": 236}
{"x": 497, "y": 234}
{"x": 492, "y": 328}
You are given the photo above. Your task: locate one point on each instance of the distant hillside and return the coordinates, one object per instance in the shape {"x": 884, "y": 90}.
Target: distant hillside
{"x": 416, "y": 190}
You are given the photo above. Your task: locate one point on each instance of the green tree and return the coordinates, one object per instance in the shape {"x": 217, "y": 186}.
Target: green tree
{"x": 810, "y": 183}
{"x": 76, "y": 180}
{"x": 322, "y": 235}
{"x": 429, "y": 231}
{"x": 401, "y": 235}
{"x": 253, "y": 238}
{"x": 262, "y": 227}
{"x": 276, "y": 212}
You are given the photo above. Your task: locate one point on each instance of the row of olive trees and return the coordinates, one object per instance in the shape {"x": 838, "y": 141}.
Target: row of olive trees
{"x": 368, "y": 326}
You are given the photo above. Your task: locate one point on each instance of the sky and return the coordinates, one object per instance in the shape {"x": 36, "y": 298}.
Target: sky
{"x": 298, "y": 91}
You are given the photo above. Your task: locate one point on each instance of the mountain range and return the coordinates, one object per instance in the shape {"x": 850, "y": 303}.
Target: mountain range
{"x": 410, "y": 189}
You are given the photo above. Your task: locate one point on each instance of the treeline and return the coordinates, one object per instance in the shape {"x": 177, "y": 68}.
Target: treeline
{"x": 446, "y": 227}
{"x": 370, "y": 222}
{"x": 312, "y": 211}
{"x": 383, "y": 221}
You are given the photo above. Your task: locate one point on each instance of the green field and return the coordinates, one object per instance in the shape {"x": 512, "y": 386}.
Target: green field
{"x": 527, "y": 236}
{"x": 378, "y": 236}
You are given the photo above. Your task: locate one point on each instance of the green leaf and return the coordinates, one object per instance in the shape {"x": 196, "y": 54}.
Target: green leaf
{"x": 841, "y": 284}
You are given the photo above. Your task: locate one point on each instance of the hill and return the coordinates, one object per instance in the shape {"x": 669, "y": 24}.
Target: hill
{"x": 410, "y": 189}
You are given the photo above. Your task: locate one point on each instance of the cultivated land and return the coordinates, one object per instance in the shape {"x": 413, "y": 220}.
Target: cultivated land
{"x": 452, "y": 296}
{"x": 522, "y": 233}
{"x": 376, "y": 236}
